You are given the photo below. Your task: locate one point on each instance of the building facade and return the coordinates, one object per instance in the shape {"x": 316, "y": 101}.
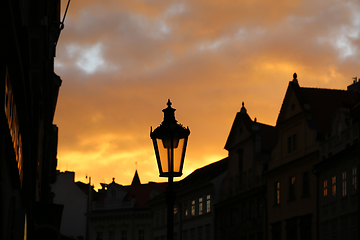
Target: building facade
{"x": 241, "y": 213}
{"x": 28, "y": 137}
{"x": 303, "y": 122}
{"x": 196, "y": 196}
{"x": 122, "y": 212}
{"x": 75, "y": 201}
{"x": 338, "y": 178}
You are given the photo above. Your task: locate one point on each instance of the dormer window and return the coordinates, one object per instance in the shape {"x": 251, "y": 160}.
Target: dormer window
{"x": 113, "y": 193}
{"x": 292, "y": 143}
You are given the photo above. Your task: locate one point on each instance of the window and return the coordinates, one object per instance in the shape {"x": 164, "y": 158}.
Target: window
{"x": 240, "y": 153}
{"x": 243, "y": 212}
{"x": 111, "y": 235}
{"x": 192, "y": 234}
{"x": 344, "y": 183}
{"x": 306, "y": 183}
{"x": 292, "y": 188}
{"x": 123, "y": 235}
{"x": 193, "y": 208}
{"x": 99, "y": 236}
{"x": 200, "y": 233}
{"x": 250, "y": 177}
{"x": 291, "y": 228}
{"x": 354, "y": 178}
{"x": 261, "y": 208}
{"x": 113, "y": 193}
{"x": 333, "y": 186}
{"x": 207, "y": 231}
{"x": 162, "y": 218}
{"x": 292, "y": 143}
{"x": 276, "y": 230}
{"x": 186, "y": 210}
{"x": 200, "y": 206}
{"x": 277, "y": 193}
{"x": 208, "y": 203}
{"x": 325, "y": 188}
{"x": 289, "y": 144}
{"x": 175, "y": 213}
{"x": 252, "y": 210}
{"x": 141, "y": 235}
{"x": 305, "y": 227}
{"x": 185, "y": 235}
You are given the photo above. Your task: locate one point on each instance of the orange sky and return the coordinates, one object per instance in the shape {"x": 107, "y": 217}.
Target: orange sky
{"x": 121, "y": 60}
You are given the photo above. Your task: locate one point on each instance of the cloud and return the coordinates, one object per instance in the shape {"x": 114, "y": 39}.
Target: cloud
{"x": 121, "y": 60}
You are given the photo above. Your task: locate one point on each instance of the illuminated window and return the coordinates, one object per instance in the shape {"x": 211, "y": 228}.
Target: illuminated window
{"x": 333, "y": 187}
{"x": 175, "y": 213}
{"x": 208, "y": 203}
{"x": 354, "y": 178}
{"x": 200, "y": 206}
{"x": 292, "y": 188}
{"x": 344, "y": 183}
{"x": 186, "y": 211}
{"x": 277, "y": 193}
{"x": 193, "y": 208}
{"x": 325, "y": 188}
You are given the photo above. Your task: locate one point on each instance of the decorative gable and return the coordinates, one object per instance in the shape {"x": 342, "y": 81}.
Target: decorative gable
{"x": 240, "y": 130}
{"x": 291, "y": 105}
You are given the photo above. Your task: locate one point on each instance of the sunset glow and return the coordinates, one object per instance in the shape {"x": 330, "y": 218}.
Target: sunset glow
{"x": 120, "y": 61}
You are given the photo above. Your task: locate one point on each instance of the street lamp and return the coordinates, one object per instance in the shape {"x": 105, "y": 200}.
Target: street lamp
{"x": 170, "y": 140}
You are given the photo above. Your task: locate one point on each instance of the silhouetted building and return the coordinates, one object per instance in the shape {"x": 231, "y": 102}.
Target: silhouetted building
{"x": 122, "y": 212}
{"x": 303, "y": 123}
{"x": 28, "y": 137}
{"x": 74, "y": 197}
{"x": 196, "y": 195}
{"x": 338, "y": 176}
{"x": 241, "y": 213}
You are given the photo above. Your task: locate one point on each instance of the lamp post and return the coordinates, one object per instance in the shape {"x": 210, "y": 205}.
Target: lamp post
{"x": 170, "y": 140}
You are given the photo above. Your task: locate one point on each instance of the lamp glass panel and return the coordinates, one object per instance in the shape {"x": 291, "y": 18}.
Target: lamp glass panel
{"x": 167, "y": 143}
{"x": 163, "y": 153}
{"x": 178, "y": 152}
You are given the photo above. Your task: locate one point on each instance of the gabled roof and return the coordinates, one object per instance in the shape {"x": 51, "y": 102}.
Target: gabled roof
{"x": 324, "y": 102}
{"x": 142, "y": 193}
{"x": 320, "y": 103}
{"x": 266, "y": 132}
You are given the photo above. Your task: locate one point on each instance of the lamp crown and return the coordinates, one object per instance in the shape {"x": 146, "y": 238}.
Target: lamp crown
{"x": 169, "y": 113}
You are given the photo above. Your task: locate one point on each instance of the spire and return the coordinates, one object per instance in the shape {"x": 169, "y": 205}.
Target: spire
{"x": 243, "y": 109}
{"x": 295, "y": 78}
{"x": 136, "y": 179}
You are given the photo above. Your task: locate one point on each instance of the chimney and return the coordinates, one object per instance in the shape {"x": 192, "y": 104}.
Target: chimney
{"x": 355, "y": 87}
